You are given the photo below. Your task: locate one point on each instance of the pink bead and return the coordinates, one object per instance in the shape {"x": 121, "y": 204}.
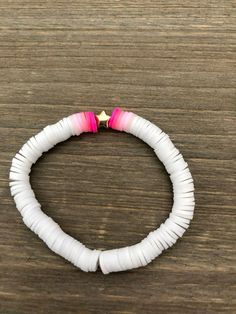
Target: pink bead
{"x": 124, "y": 120}
{"x": 76, "y": 121}
{"x": 113, "y": 117}
{"x": 76, "y": 125}
{"x": 81, "y": 121}
{"x": 91, "y": 121}
{"x": 84, "y": 122}
{"x": 127, "y": 120}
{"x": 120, "y": 120}
{"x": 116, "y": 121}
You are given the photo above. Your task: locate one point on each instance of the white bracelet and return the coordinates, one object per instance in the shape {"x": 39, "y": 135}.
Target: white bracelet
{"x": 74, "y": 251}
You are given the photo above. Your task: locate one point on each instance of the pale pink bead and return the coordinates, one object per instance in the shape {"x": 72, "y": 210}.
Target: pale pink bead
{"x": 85, "y": 122}
{"x": 76, "y": 124}
{"x": 126, "y": 120}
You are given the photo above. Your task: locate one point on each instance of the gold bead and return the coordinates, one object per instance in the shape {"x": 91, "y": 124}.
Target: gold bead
{"x": 103, "y": 119}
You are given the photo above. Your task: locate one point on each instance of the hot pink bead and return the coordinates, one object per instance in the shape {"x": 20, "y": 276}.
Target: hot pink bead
{"x": 112, "y": 121}
{"x": 91, "y": 121}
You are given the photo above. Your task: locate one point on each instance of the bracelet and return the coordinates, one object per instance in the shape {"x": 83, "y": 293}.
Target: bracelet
{"x": 56, "y": 239}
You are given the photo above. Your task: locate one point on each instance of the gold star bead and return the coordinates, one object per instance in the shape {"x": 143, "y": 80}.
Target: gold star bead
{"x": 103, "y": 119}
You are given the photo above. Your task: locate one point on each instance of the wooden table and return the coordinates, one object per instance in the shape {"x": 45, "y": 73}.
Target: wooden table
{"x": 173, "y": 62}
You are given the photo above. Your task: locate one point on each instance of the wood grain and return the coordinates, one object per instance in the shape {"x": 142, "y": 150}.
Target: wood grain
{"x": 173, "y": 62}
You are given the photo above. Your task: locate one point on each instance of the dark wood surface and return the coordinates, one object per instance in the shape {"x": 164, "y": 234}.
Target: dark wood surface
{"x": 173, "y": 62}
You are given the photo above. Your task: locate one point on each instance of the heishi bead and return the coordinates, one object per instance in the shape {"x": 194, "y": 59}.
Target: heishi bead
{"x": 57, "y": 240}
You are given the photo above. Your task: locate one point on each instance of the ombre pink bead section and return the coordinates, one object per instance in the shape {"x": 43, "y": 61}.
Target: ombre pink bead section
{"x": 120, "y": 120}
{"x": 84, "y": 122}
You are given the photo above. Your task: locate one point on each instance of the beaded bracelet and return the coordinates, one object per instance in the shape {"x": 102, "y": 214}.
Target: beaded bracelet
{"x": 56, "y": 239}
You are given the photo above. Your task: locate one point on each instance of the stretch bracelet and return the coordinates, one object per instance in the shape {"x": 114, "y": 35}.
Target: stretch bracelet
{"x": 56, "y": 239}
